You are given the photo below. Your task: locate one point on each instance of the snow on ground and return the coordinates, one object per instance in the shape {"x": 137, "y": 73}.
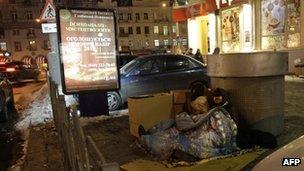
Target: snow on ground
{"x": 113, "y": 114}
{"x": 39, "y": 110}
{"x": 292, "y": 78}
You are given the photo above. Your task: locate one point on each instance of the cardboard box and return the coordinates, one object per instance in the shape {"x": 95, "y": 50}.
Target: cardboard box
{"x": 180, "y": 96}
{"x": 149, "y": 110}
{"x": 178, "y": 108}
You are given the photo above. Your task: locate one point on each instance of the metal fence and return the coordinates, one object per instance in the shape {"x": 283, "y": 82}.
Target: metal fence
{"x": 80, "y": 152}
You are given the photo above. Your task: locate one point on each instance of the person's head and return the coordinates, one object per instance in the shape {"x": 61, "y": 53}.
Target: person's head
{"x": 218, "y": 96}
{"x": 200, "y": 105}
{"x": 198, "y": 51}
{"x": 216, "y": 51}
{"x": 190, "y": 50}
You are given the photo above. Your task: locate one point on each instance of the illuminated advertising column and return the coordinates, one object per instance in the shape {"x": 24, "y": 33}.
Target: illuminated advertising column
{"x": 88, "y": 50}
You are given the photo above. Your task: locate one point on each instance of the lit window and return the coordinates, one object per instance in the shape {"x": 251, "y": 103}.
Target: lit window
{"x": 156, "y": 31}
{"x": 156, "y": 43}
{"x": 174, "y": 29}
{"x": 166, "y": 42}
{"x": 174, "y": 42}
{"x": 185, "y": 42}
{"x": 3, "y": 46}
{"x": 165, "y": 28}
{"x": 33, "y": 45}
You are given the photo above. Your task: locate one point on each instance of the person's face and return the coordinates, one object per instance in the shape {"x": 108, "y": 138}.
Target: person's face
{"x": 217, "y": 99}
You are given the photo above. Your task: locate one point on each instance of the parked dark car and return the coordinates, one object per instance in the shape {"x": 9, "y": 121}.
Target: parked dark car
{"x": 155, "y": 74}
{"x": 6, "y": 98}
{"x": 18, "y": 71}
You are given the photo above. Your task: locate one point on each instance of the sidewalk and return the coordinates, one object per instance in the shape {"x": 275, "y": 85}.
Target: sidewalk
{"x": 43, "y": 151}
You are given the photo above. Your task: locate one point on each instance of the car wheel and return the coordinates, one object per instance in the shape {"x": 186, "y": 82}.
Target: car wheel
{"x": 114, "y": 101}
{"x": 4, "y": 114}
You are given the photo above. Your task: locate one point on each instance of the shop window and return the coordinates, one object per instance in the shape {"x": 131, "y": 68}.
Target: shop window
{"x": 130, "y": 30}
{"x": 32, "y": 45}
{"x": 3, "y": 46}
{"x": 156, "y": 30}
{"x": 165, "y": 30}
{"x": 138, "y": 30}
{"x": 156, "y": 43}
{"x": 231, "y": 30}
{"x": 18, "y": 46}
{"x": 277, "y": 32}
{"x": 147, "y": 30}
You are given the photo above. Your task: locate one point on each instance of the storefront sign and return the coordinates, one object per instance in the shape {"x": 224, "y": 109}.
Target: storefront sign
{"x": 226, "y": 3}
{"x": 88, "y": 50}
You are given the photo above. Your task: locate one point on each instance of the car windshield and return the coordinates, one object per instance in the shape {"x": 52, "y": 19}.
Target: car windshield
{"x": 125, "y": 69}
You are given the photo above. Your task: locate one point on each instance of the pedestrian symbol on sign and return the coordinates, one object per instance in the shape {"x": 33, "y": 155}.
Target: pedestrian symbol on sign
{"x": 48, "y": 13}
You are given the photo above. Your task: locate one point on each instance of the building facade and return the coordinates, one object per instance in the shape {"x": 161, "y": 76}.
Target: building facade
{"x": 142, "y": 25}
{"x": 147, "y": 25}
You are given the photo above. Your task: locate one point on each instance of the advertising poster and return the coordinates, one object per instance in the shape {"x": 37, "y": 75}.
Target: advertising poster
{"x": 88, "y": 50}
{"x": 273, "y": 16}
{"x": 231, "y": 24}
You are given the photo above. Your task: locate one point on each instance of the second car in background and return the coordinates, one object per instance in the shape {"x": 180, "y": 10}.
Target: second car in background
{"x": 18, "y": 71}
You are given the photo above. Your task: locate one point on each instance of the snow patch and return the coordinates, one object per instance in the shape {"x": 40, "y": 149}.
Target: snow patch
{"x": 38, "y": 112}
{"x": 113, "y": 114}
{"x": 293, "y": 78}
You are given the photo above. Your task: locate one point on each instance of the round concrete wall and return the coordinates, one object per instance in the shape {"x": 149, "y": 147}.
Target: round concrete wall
{"x": 255, "y": 83}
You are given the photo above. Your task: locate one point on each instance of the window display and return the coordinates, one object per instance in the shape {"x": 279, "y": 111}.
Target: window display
{"x": 280, "y": 24}
{"x": 231, "y": 29}
{"x": 273, "y": 16}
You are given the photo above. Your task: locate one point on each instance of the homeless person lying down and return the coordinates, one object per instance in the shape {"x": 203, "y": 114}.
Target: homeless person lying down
{"x": 203, "y": 133}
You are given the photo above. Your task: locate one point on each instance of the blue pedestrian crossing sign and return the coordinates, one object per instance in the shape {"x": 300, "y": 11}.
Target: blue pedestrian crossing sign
{"x": 48, "y": 13}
